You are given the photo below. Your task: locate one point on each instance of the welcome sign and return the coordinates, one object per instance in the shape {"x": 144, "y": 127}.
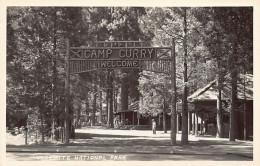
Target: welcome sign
{"x": 85, "y": 59}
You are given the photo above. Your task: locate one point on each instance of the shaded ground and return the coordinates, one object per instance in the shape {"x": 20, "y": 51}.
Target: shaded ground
{"x": 144, "y": 143}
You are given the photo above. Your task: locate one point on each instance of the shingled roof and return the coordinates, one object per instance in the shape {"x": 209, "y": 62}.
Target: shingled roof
{"x": 209, "y": 92}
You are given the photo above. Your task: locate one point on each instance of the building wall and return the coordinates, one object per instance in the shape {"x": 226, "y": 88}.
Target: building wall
{"x": 211, "y": 127}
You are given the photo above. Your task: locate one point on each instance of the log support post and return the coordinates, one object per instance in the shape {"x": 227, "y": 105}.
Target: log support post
{"x": 173, "y": 99}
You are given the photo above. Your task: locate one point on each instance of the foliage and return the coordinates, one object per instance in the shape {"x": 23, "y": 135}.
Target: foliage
{"x": 155, "y": 88}
{"x": 36, "y": 55}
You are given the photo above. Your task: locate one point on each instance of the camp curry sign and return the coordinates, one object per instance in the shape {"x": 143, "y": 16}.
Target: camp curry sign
{"x": 118, "y": 53}
{"x": 84, "y": 59}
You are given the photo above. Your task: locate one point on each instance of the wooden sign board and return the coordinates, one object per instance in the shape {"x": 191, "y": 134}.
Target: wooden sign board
{"x": 159, "y": 65}
{"x": 85, "y": 59}
{"x": 112, "y": 53}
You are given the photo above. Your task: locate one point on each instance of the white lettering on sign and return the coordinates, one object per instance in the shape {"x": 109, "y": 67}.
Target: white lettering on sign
{"x": 143, "y": 53}
{"x": 118, "y": 63}
{"x": 97, "y": 54}
{"x": 150, "y": 52}
{"x": 136, "y": 53}
{"x": 109, "y": 52}
{"x": 119, "y": 53}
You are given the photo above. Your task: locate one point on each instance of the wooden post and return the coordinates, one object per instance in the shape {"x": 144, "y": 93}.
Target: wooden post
{"x": 121, "y": 117}
{"x": 67, "y": 94}
{"x": 184, "y": 122}
{"x": 138, "y": 118}
{"x": 173, "y": 99}
{"x": 188, "y": 122}
{"x": 193, "y": 123}
{"x": 26, "y": 133}
{"x": 100, "y": 99}
{"x": 159, "y": 120}
{"x": 108, "y": 108}
{"x": 107, "y": 102}
{"x": 133, "y": 118}
{"x": 111, "y": 105}
{"x": 196, "y": 123}
{"x": 61, "y": 133}
{"x": 177, "y": 123}
{"x": 201, "y": 124}
{"x": 100, "y": 105}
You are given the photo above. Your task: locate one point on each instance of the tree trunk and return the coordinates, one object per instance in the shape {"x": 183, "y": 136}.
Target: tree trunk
{"x": 42, "y": 129}
{"x": 219, "y": 106}
{"x": 124, "y": 95}
{"x": 101, "y": 107}
{"x": 110, "y": 100}
{"x": 39, "y": 103}
{"x": 159, "y": 120}
{"x": 115, "y": 98}
{"x": 111, "y": 124}
{"x": 77, "y": 125}
{"x": 173, "y": 96}
{"x": 54, "y": 76}
{"x": 111, "y": 119}
{"x": 244, "y": 109}
{"x": 107, "y": 108}
{"x": 164, "y": 121}
{"x": 244, "y": 105}
{"x": 234, "y": 75}
{"x": 164, "y": 112}
{"x": 87, "y": 104}
{"x": 184, "y": 135}
{"x": 232, "y": 128}
{"x": 41, "y": 108}
{"x": 67, "y": 96}
{"x": 94, "y": 104}
{"x": 71, "y": 123}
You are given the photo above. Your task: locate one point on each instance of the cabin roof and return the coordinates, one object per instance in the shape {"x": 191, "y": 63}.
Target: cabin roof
{"x": 209, "y": 92}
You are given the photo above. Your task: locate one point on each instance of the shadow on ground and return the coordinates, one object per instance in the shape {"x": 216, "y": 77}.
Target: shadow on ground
{"x": 91, "y": 135}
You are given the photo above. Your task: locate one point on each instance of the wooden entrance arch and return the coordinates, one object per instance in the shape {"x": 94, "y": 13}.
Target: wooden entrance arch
{"x": 118, "y": 55}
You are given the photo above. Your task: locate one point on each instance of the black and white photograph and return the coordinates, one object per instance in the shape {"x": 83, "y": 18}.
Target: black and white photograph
{"x": 92, "y": 84}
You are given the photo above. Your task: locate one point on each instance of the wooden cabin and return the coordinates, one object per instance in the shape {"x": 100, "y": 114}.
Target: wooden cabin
{"x": 202, "y": 117}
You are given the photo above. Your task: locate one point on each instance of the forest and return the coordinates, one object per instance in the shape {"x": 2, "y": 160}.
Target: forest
{"x": 211, "y": 43}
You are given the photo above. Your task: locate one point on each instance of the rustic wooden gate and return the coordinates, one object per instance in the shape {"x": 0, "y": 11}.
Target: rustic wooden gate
{"x": 119, "y": 55}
